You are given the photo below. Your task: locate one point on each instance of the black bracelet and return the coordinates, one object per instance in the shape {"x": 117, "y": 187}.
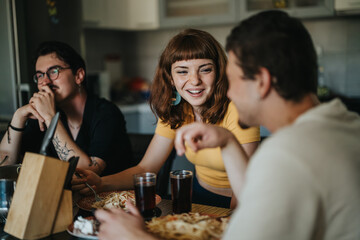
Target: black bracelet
{"x": 15, "y": 128}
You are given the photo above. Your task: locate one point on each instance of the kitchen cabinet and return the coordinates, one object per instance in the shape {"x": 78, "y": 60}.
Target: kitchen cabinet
{"x": 122, "y": 15}
{"x": 345, "y": 7}
{"x": 296, "y": 8}
{"x": 180, "y": 13}
{"x": 154, "y": 14}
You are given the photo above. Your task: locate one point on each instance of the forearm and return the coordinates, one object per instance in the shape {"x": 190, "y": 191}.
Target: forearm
{"x": 11, "y": 149}
{"x": 67, "y": 148}
{"x": 250, "y": 148}
{"x": 156, "y": 154}
{"x": 11, "y": 141}
{"x": 235, "y": 160}
{"x": 122, "y": 180}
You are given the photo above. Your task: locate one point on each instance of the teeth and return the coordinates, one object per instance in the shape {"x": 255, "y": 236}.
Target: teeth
{"x": 194, "y": 91}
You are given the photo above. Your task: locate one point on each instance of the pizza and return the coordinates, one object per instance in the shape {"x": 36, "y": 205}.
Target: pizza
{"x": 187, "y": 226}
{"x": 115, "y": 200}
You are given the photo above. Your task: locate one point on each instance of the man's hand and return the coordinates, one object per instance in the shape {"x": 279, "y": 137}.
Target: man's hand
{"x": 117, "y": 224}
{"x": 24, "y": 113}
{"x": 199, "y": 135}
{"x": 44, "y": 103}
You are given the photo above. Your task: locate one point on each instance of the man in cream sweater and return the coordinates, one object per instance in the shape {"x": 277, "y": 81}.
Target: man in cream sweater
{"x": 304, "y": 180}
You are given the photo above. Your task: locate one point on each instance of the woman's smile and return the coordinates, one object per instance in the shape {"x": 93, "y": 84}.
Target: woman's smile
{"x": 194, "y": 79}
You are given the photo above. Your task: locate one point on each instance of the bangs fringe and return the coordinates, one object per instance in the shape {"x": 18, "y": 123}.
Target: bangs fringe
{"x": 191, "y": 48}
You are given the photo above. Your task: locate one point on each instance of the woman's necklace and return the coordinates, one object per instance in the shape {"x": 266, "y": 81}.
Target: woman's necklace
{"x": 74, "y": 127}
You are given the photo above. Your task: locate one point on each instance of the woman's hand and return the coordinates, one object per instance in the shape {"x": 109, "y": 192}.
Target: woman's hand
{"x": 117, "y": 224}
{"x": 78, "y": 184}
{"x": 44, "y": 103}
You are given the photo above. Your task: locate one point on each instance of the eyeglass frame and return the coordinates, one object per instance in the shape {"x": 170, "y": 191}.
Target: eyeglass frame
{"x": 56, "y": 67}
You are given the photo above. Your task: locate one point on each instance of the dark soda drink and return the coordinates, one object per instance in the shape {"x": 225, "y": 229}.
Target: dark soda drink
{"x": 181, "y": 193}
{"x": 145, "y": 198}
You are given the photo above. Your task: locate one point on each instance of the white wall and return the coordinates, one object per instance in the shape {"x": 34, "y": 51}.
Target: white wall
{"x": 338, "y": 38}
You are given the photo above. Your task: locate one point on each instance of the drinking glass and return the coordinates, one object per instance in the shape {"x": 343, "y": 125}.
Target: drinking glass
{"x": 145, "y": 188}
{"x": 181, "y": 190}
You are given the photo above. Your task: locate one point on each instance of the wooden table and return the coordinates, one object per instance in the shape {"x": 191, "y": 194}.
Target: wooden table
{"x": 166, "y": 208}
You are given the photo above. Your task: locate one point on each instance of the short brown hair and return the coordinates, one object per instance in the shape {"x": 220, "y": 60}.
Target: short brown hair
{"x": 280, "y": 43}
{"x": 189, "y": 44}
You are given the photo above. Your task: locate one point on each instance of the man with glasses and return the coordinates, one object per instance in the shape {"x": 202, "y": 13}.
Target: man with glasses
{"x": 91, "y": 128}
{"x": 52, "y": 74}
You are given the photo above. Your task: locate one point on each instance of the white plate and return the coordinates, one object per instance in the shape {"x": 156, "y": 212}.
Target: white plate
{"x": 70, "y": 230}
{"x": 82, "y": 235}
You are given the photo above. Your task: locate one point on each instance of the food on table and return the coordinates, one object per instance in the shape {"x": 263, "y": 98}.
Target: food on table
{"x": 85, "y": 226}
{"x": 187, "y": 226}
{"x": 115, "y": 200}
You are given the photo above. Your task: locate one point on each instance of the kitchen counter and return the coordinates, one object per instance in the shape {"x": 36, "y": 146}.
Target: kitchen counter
{"x": 139, "y": 118}
{"x": 135, "y": 108}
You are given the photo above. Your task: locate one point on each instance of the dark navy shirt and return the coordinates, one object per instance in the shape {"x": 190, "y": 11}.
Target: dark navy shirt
{"x": 102, "y": 134}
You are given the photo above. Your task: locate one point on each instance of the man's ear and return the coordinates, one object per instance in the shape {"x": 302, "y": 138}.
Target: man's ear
{"x": 79, "y": 76}
{"x": 264, "y": 82}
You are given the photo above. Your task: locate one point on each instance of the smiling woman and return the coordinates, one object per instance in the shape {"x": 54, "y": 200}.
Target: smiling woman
{"x": 193, "y": 64}
{"x": 192, "y": 67}
{"x": 193, "y": 80}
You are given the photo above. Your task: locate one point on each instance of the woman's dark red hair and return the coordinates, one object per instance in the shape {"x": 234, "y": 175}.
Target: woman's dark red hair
{"x": 189, "y": 44}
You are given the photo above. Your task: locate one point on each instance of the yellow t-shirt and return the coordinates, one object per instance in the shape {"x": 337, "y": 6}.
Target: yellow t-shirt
{"x": 208, "y": 162}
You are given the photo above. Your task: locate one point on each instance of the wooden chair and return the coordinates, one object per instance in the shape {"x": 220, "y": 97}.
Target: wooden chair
{"x": 140, "y": 143}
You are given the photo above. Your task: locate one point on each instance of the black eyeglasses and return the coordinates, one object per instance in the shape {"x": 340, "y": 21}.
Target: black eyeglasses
{"x": 52, "y": 73}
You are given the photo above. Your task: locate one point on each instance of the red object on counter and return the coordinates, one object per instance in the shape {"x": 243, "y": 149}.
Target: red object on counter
{"x": 138, "y": 84}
